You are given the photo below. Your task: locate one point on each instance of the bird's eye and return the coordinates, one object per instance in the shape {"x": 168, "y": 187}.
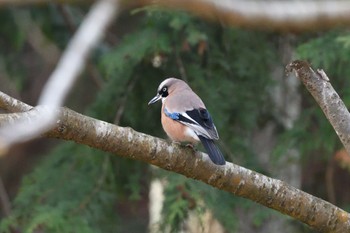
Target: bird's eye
{"x": 164, "y": 91}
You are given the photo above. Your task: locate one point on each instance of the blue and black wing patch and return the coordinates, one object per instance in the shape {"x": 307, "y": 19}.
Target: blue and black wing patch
{"x": 173, "y": 115}
{"x": 199, "y": 120}
{"x": 202, "y": 117}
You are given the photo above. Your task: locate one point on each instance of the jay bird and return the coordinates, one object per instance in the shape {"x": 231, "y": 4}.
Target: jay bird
{"x": 185, "y": 118}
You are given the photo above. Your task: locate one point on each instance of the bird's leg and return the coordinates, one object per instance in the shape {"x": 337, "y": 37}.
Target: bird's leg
{"x": 176, "y": 143}
{"x": 190, "y": 145}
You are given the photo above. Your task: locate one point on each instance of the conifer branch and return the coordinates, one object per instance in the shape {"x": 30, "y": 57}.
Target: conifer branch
{"x": 126, "y": 142}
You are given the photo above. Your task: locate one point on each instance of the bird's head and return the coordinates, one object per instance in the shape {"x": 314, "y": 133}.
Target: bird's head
{"x": 167, "y": 87}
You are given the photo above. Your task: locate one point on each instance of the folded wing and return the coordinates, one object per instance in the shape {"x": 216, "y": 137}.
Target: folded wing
{"x": 199, "y": 120}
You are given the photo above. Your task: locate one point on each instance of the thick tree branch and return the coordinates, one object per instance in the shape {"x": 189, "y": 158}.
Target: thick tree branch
{"x": 318, "y": 84}
{"x": 240, "y": 181}
{"x": 12, "y": 105}
{"x": 291, "y": 16}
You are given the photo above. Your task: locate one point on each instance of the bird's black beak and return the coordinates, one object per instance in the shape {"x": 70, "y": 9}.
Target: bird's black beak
{"x": 155, "y": 99}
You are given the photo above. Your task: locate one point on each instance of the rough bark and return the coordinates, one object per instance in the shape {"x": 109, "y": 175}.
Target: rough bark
{"x": 126, "y": 142}
{"x": 318, "y": 84}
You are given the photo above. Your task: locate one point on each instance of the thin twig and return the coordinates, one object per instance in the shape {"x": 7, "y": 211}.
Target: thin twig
{"x": 124, "y": 99}
{"x": 36, "y": 38}
{"x": 72, "y": 26}
{"x": 67, "y": 17}
{"x": 180, "y": 65}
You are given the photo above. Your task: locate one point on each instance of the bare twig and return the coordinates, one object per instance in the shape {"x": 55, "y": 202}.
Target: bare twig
{"x": 180, "y": 65}
{"x": 67, "y": 17}
{"x": 72, "y": 26}
{"x": 122, "y": 102}
{"x": 232, "y": 178}
{"x": 63, "y": 77}
{"x": 36, "y": 38}
{"x": 317, "y": 83}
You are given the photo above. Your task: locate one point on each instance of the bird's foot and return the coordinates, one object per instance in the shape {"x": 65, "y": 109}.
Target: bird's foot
{"x": 190, "y": 145}
{"x": 176, "y": 143}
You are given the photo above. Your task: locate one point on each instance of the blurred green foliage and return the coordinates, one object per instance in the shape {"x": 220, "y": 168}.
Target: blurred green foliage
{"x": 79, "y": 189}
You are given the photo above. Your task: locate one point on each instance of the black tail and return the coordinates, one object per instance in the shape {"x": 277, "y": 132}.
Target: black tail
{"x": 213, "y": 151}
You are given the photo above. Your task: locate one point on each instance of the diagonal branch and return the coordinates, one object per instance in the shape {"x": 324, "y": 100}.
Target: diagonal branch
{"x": 62, "y": 79}
{"x": 318, "y": 84}
{"x": 232, "y": 178}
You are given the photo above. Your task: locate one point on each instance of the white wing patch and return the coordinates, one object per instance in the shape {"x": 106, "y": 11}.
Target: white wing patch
{"x": 189, "y": 132}
{"x": 193, "y": 125}
{"x": 197, "y": 128}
